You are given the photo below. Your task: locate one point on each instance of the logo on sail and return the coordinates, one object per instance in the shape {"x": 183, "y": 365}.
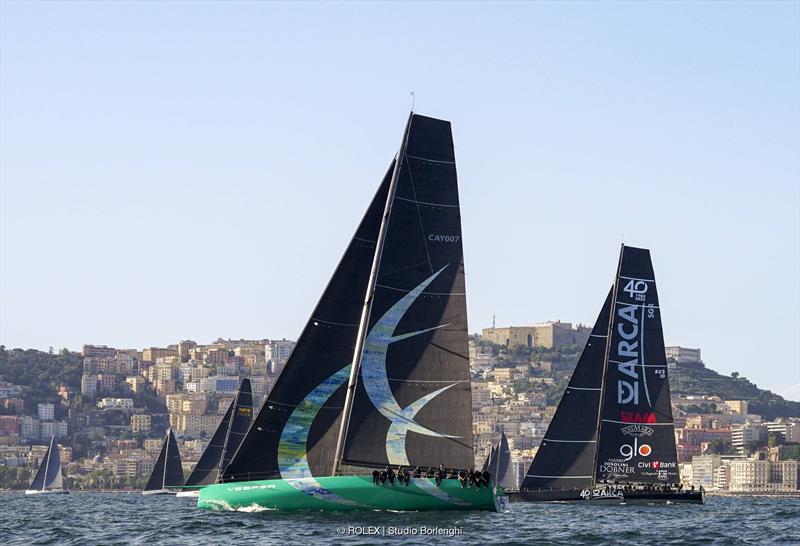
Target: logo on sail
{"x": 376, "y": 380}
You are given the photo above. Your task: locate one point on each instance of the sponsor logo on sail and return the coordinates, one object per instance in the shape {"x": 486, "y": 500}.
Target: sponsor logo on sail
{"x": 628, "y": 451}
{"x": 637, "y": 417}
{"x": 628, "y": 356}
{"x": 637, "y": 431}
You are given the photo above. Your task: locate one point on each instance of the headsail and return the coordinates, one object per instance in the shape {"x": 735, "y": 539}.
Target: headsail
{"x": 168, "y": 470}
{"x": 239, "y": 423}
{"x": 565, "y": 459}
{"x": 207, "y": 468}
{"x": 295, "y": 431}
{"x": 637, "y": 438}
{"x": 48, "y": 476}
{"x": 499, "y": 465}
{"x": 412, "y": 404}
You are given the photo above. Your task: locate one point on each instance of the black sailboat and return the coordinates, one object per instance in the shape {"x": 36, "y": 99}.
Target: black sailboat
{"x": 612, "y": 436}
{"x": 380, "y": 375}
{"x": 168, "y": 470}
{"x": 499, "y": 464}
{"x": 48, "y": 478}
{"x": 223, "y": 443}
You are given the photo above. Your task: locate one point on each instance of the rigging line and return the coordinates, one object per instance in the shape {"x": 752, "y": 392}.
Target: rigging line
{"x": 453, "y": 381}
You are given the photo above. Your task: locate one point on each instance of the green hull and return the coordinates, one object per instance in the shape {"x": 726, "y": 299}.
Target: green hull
{"x": 346, "y": 493}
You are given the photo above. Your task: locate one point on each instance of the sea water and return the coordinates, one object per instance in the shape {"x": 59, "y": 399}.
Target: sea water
{"x": 131, "y": 518}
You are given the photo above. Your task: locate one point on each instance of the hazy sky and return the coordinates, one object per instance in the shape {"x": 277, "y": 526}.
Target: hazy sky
{"x": 193, "y": 171}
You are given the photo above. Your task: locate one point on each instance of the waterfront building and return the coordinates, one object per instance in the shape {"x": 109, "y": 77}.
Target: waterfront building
{"x": 754, "y": 476}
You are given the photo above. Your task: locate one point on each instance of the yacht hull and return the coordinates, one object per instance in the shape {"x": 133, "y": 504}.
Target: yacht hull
{"x": 613, "y": 496}
{"x": 347, "y": 493}
{"x": 47, "y": 492}
{"x": 158, "y": 492}
{"x": 192, "y": 493}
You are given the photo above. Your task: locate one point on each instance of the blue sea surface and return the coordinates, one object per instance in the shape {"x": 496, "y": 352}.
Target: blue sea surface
{"x": 131, "y": 518}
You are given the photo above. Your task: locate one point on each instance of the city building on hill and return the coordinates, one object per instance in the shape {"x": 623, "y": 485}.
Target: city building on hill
{"x": 136, "y": 382}
{"x": 194, "y": 425}
{"x": 17, "y": 405}
{"x": 788, "y": 429}
{"x": 116, "y": 403}
{"x": 737, "y": 407}
{"x": 98, "y": 351}
{"x": 747, "y": 433}
{"x": 683, "y": 355}
{"x": 89, "y": 385}
{"x": 551, "y": 335}
{"x": 152, "y": 354}
{"x": 9, "y": 425}
{"x": 141, "y": 423}
{"x": 45, "y": 412}
{"x": 59, "y": 429}
{"x": 219, "y": 384}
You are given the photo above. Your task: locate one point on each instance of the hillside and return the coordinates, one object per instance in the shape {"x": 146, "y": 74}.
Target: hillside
{"x": 695, "y": 380}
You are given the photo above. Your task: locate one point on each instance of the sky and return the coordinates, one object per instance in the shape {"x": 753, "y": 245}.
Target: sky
{"x": 189, "y": 170}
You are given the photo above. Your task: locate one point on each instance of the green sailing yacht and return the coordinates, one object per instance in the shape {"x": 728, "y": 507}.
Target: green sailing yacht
{"x": 378, "y": 384}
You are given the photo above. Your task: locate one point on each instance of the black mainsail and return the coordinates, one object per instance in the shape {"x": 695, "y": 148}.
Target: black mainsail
{"x": 168, "y": 470}
{"x": 48, "y": 476}
{"x": 208, "y": 466}
{"x": 566, "y": 457}
{"x": 412, "y": 403}
{"x": 295, "y": 431}
{"x": 240, "y": 421}
{"x": 226, "y": 438}
{"x": 499, "y": 465}
{"x": 637, "y": 436}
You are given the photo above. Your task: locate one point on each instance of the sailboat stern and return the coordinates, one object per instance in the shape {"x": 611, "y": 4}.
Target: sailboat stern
{"x": 346, "y": 493}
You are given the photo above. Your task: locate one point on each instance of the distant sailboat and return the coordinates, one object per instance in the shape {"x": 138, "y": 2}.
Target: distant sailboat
{"x": 499, "y": 464}
{"x": 224, "y": 442}
{"x": 612, "y": 436}
{"x": 168, "y": 471}
{"x": 380, "y": 374}
{"x": 48, "y": 477}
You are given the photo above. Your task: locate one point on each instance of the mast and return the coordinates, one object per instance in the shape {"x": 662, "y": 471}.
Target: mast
{"x": 365, "y": 311}
{"x": 166, "y": 458}
{"x": 610, "y": 330}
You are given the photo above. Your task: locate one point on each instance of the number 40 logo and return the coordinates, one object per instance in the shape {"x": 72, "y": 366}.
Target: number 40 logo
{"x": 634, "y": 288}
